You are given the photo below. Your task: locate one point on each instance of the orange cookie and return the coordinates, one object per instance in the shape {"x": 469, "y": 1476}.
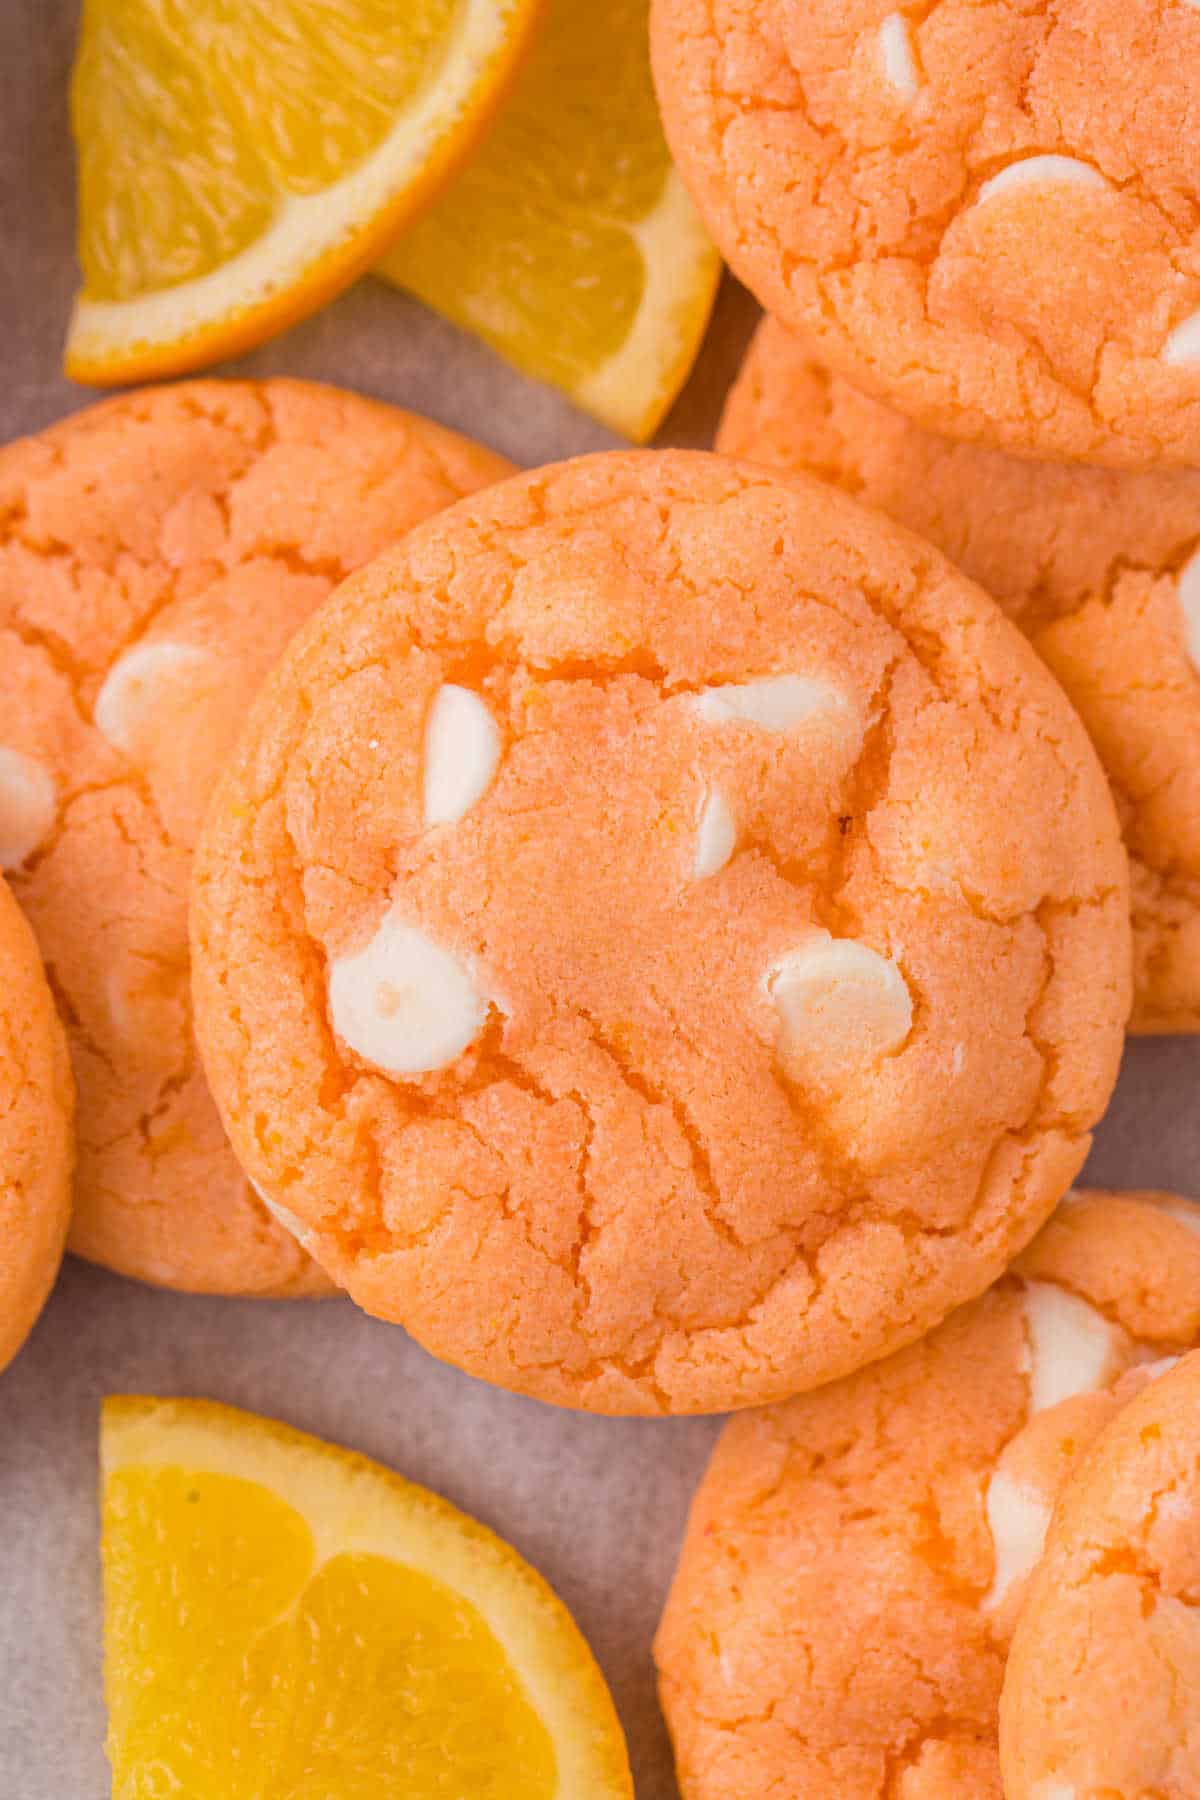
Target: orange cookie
{"x": 986, "y": 212}
{"x": 1101, "y": 1695}
{"x": 36, "y": 1146}
{"x": 1099, "y": 568}
{"x": 662, "y": 937}
{"x": 156, "y": 553}
{"x": 855, "y": 1560}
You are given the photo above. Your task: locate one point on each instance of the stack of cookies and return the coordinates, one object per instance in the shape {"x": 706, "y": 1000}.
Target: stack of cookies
{"x": 974, "y": 230}
{"x": 954, "y": 301}
{"x": 658, "y": 931}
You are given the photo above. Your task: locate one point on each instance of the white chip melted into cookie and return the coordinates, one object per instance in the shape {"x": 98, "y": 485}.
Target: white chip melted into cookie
{"x": 773, "y": 702}
{"x": 404, "y": 1003}
{"x": 1183, "y": 343}
{"x": 1040, "y": 171}
{"x": 1160, "y": 1366}
{"x": 1188, "y": 590}
{"x": 133, "y": 687}
{"x": 1072, "y": 1348}
{"x": 28, "y": 807}
{"x": 840, "y": 1005}
{"x": 896, "y": 50}
{"x": 462, "y": 751}
{"x": 294, "y": 1226}
{"x": 1017, "y": 1518}
{"x": 716, "y": 834}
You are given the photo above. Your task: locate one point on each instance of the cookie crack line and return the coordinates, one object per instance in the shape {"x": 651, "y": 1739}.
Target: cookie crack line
{"x": 508, "y": 1070}
{"x": 976, "y": 170}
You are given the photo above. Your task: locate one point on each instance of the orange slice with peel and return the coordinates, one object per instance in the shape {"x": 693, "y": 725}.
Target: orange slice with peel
{"x": 569, "y": 243}
{"x": 241, "y": 161}
{"x": 284, "y": 1618}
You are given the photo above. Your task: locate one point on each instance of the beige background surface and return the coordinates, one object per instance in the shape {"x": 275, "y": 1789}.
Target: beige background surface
{"x": 598, "y": 1505}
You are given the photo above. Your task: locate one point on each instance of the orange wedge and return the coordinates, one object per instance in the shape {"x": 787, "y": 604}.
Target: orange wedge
{"x": 284, "y": 1619}
{"x": 241, "y": 161}
{"x": 569, "y": 243}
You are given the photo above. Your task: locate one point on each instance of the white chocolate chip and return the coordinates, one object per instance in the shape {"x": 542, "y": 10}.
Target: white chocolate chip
{"x": 775, "y": 702}
{"x": 1188, "y": 589}
{"x": 1187, "y": 1212}
{"x": 1152, "y": 1370}
{"x": 404, "y": 1003}
{"x": 1073, "y": 1348}
{"x": 1017, "y": 1518}
{"x": 28, "y": 807}
{"x": 129, "y": 692}
{"x": 294, "y": 1226}
{"x": 716, "y": 834}
{"x": 1183, "y": 344}
{"x": 1040, "y": 171}
{"x": 1051, "y": 1788}
{"x": 840, "y": 1004}
{"x": 462, "y": 748}
{"x": 896, "y": 49}
{"x": 298, "y": 1229}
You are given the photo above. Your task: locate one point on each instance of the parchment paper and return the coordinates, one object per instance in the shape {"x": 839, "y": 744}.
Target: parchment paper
{"x": 597, "y": 1505}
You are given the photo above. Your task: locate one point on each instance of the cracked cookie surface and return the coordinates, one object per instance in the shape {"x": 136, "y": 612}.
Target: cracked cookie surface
{"x": 1101, "y": 570}
{"x": 1101, "y": 1695}
{"x": 36, "y": 1143}
{"x": 156, "y": 553}
{"x": 855, "y": 1560}
{"x": 986, "y": 213}
{"x": 663, "y": 937}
